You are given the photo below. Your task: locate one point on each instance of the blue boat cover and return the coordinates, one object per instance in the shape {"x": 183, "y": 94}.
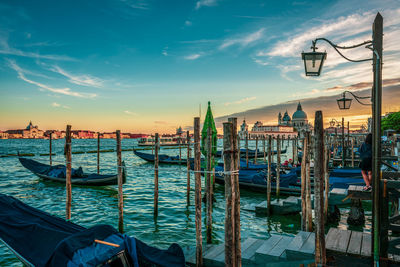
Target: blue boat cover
{"x": 45, "y": 240}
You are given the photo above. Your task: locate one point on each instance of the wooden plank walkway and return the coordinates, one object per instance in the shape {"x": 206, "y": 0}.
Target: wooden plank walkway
{"x": 357, "y": 192}
{"x": 262, "y": 252}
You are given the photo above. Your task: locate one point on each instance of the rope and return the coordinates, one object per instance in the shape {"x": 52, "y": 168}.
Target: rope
{"x": 219, "y": 172}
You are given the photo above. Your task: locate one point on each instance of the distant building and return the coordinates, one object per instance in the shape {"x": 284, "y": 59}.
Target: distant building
{"x": 3, "y": 135}
{"x": 259, "y": 130}
{"x": 30, "y": 131}
{"x": 288, "y": 127}
{"x": 83, "y": 134}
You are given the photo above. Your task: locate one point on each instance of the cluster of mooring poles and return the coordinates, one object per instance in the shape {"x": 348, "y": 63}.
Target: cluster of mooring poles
{"x": 68, "y": 160}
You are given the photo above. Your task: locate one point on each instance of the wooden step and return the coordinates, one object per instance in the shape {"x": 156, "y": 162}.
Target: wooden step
{"x": 249, "y": 247}
{"x": 337, "y": 240}
{"x": 212, "y": 257}
{"x": 301, "y": 247}
{"x": 262, "y": 253}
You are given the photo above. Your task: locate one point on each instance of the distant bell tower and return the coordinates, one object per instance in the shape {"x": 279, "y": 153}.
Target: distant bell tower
{"x": 279, "y": 119}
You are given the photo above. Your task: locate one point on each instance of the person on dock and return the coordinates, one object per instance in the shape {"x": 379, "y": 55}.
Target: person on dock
{"x": 366, "y": 161}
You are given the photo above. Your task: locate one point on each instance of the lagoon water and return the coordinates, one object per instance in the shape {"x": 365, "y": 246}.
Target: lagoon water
{"x": 99, "y": 205}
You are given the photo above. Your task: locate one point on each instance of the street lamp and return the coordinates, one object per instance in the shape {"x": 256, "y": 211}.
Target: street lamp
{"x": 345, "y": 103}
{"x": 311, "y": 59}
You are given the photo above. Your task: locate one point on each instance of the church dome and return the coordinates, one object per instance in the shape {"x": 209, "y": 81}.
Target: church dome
{"x": 299, "y": 114}
{"x": 286, "y": 117}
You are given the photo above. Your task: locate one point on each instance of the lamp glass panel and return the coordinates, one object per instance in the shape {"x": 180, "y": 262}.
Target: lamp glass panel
{"x": 313, "y": 62}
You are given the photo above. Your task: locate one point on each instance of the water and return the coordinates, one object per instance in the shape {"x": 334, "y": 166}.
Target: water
{"x": 99, "y": 205}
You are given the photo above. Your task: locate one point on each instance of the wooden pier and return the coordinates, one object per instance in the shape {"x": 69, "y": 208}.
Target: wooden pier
{"x": 277, "y": 250}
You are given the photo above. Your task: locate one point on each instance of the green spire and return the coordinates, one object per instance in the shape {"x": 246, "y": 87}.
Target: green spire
{"x": 209, "y": 123}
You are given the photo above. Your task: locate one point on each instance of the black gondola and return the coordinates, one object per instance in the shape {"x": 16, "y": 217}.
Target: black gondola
{"x": 57, "y": 174}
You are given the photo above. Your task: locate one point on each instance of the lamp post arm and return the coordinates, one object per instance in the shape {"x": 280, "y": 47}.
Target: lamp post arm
{"x": 357, "y": 98}
{"x": 337, "y": 47}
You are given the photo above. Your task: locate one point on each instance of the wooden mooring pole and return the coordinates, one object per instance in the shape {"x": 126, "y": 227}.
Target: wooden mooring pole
{"x": 197, "y": 175}
{"x": 209, "y": 184}
{"x": 98, "y": 153}
{"x": 188, "y": 168}
{"x": 236, "y": 195}
{"x": 265, "y": 159}
{"x": 255, "y": 153}
{"x": 247, "y": 150}
{"x": 308, "y": 185}
{"x": 230, "y": 256}
{"x": 278, "y": 165}
{"x": 304, "y": 185}
{"x": 319, "y": 174}
{"x": 120, "y": 182}
{"x": 269, "y": 176}
{"x": 156, "y": 147}
{"x": 326, "y": 173}
{"x": 68, "y": 171}
{"x": 50, "y": 139}
{"x": 352, "y": 152}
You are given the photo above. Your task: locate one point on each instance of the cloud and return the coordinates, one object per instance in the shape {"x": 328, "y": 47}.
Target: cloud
{"x": 5, "y": 49}
{"x": 56, "y": 105}
{"x": 363, "y": 85}
{"x": 328, "y": 104}
{"x": 130, "y": 113}
{"x": 85, "y": 80}
{"x": 243, "y": 41}
{"x": 161, "y": 122}
{"x": 137, "y": 4}
{"x": 63, "y": 91}
{"x": 241, "y": 101}
{"x": 261, "y": 62}
{"x": 188, "y": 23}
{"x": 192, "y": 57}
{"x": 207, "y": 3}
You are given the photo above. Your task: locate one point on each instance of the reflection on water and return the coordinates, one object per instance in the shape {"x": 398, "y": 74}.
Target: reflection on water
{"x": 99, "y": 205}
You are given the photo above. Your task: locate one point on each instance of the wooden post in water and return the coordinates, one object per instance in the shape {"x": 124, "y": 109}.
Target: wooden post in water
{"x": 209, "y": 184}
{"x": 188, "y": 168}
{"x": 238, "y": 146}
{"x": 68, "y": 171}
{"x": 230, "y": 255}
{"x": 319, "y": 173}
{"x": 326, "y": 173}
{"x": 236, "y": 195}
{"x": 352, "y": 152}
{"x": 255, "y": 153}
{"x": 50, "y": 137}
{"x": 308, "y": 187}
{"x": 247, "y": 150}
{"x": 120, "y": 182}
{"x": 98, "y": 153}
{"x": 278, "y": 164}
{"x": 197, "y": 175}
{"x": 269, "y": 176}
{"x": 156, "y": 147}
{"x": 264, "y": 148}
{"x": 304, "y": 185}
{"x": 296, "y": 148}
{"x": 180, "y": 148}
{"x": 272, "y": 150}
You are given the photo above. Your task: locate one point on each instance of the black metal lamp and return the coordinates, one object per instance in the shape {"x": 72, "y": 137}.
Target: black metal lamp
{"x": 344, "y": 103}
{"x": 313, "y": 61}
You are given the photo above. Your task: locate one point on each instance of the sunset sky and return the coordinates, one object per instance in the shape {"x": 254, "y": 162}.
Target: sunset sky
{"x": 146, "y": 65}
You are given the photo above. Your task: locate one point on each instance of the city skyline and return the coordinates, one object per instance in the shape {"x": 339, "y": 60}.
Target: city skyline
{"x": 145, "y": 66}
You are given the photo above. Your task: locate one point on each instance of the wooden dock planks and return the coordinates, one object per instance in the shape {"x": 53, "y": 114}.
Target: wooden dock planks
{"x": 338, "y": 240}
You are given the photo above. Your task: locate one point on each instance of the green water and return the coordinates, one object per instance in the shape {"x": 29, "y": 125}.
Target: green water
{"x": 99, "y": 205}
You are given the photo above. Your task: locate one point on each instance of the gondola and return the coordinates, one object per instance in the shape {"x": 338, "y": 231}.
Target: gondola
{"x": 40, "y": 239}
{"x": 162, "y": 158}
{"x": 57, "y": 174}
{"x": 256, "y": 180}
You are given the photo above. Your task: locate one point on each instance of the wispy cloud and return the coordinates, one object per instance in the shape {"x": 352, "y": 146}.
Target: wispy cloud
{"x": 243, "y": 41}
{"x": 5, "y": 49}
{"x": 137, "y": 4}
{"x": 188, "y": 23}
{"x": 241, "y": 101}
{"x": 85, "y": 80}
{"x": 160, "y": 122}
{"x": 192, "y": 57}
{"x": 62, "y": 91}
{"x": 130, "y": 113}
{"x": 57, "y": 105}
{"x": 208, "y": 3}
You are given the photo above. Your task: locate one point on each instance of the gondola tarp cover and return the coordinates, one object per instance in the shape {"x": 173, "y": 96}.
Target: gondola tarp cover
{"x": 45, "y": 240}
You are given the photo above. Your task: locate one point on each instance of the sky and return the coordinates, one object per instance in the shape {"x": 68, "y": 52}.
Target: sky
{"x": 146, "y": 66}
